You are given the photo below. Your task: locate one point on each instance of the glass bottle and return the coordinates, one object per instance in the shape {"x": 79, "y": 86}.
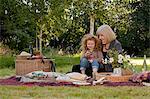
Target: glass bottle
{"x": 144, "y": 64}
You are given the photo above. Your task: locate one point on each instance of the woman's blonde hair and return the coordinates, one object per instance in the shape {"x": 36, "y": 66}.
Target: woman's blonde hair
{"x": 90, "y": 37}
{"x": 107, "y": 31}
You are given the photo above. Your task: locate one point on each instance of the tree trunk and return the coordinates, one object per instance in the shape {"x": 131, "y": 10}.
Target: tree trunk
{"x": 36, "y": 42}
{"x": 40, "y": 41}
{"x": 92, "y": 24}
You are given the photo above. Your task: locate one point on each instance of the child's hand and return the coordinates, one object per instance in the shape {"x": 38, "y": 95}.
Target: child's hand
{"x": 88, "y": 53}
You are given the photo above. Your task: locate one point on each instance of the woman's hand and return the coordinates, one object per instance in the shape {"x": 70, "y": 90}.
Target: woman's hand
{"x": 104, "y": 61}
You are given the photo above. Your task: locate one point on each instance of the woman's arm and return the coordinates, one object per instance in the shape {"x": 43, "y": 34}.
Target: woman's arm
{"x": 118, "y": 47}
{"x": 99, "y": 56}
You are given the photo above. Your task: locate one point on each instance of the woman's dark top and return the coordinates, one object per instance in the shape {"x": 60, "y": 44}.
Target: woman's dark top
{"x": 115, "y": 44}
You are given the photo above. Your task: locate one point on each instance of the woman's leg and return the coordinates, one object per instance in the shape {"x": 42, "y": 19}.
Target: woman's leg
{"x": 83, "y": 65}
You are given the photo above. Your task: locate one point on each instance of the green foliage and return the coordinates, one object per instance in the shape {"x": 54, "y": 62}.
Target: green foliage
{"x": 146, "y": 52}
{"x": 120, "y": 60}
{"x": 138, "y": 34}
{"x": 7, "y": 61}
{"x": 63, "y": 23}
{"x": 114, "y": 54}
{"x": 17, "y": 24}
{"x": 50, "y": 52}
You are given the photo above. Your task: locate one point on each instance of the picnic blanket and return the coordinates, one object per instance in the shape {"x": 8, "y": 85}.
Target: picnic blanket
{"x": 71, "y": 79}
{"x": 16, "y": 82}
{"x": 47, "y": 79}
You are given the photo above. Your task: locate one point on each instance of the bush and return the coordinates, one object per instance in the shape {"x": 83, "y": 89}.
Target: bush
{"x": 50, "y": 52}
{"x": 7, "y": 61}
{"x": 147, "y": 52}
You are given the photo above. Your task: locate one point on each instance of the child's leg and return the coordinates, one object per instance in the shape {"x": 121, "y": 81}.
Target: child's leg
{"x": 83, "y": 65}
{"x": 95, "y": 66}
{"x": 94, "y": 72}
{"x": 82, "y": 71}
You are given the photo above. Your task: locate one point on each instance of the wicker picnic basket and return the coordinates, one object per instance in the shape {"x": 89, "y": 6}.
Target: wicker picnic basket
{"x": 24, "y": 66}
{"x": 113, "y": 78}
{"x": 118, "y": 78}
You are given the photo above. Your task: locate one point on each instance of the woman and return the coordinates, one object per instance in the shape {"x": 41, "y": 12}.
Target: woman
{"x": 109, "y": 41}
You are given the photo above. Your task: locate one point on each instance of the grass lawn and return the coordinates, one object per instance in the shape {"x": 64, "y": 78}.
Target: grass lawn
{"x": 63, "y": 65}
{"x": 83, "y": 92}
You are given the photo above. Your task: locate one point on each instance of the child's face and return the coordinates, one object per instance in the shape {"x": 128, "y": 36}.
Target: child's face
{"x": 90, "y": 44}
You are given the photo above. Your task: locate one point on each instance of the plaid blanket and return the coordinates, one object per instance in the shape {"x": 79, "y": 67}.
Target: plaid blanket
{"x": 16, "y": 81}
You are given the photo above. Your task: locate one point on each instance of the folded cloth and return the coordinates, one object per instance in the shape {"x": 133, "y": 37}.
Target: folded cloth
{"x": 100, "y": 81}
{"x": 23, "y": 53}
{"x": 42, "y": 74}
{"x": 26, "y": 79}
{"x": 81, "y": 83}
{"x": 77, "y": 76}
{"x": 146, "y": 84}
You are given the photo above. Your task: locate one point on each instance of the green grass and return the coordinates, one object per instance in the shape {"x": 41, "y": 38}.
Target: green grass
{"x": 65, "y": 63}
{"x": 7, "y": 72}
{"x": 83, "y": 92}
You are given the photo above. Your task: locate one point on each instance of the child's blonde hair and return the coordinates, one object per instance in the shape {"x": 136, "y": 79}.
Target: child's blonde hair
{"x": 107, "y": 31}
{"x": 90, "y": 37}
